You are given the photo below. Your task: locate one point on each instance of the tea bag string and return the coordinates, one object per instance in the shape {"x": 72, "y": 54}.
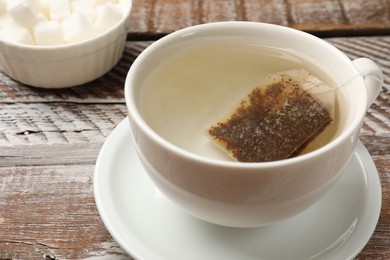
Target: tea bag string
{"x": 326, "y": 95}
{"x": 369, "y": 75}
{"x": 347, "y": 82}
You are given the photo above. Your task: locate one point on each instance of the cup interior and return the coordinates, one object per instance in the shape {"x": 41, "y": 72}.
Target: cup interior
{"x": 204, "y": 70}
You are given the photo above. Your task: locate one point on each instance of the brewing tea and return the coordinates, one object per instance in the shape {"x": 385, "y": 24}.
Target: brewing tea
{"x": 188, "y": 92}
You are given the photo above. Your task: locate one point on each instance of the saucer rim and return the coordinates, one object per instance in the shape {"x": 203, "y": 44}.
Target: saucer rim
{"x": 365, "y": 227}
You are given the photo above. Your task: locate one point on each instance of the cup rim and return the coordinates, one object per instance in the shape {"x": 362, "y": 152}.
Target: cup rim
{"x": 135, "y": 115}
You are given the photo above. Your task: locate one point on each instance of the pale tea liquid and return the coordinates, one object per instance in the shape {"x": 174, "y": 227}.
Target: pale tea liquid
{"x": 189, "y": 92}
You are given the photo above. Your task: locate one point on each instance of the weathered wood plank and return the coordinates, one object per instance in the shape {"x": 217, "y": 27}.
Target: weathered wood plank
{"x": 219, "y": 10}
{"x": 363, "y": 12}
{"x": 27, "y": 123}
{"x": 50, "y": 154}
{"x": 183, "y": 11}
{"x": 379, "y": 245}
{"x": 49, "y": 212}
{"x": 62, "y": 133}
{"x": 333, "y": 18}
{"x": 310, "y": 13}
{"x": 273, "y": 11}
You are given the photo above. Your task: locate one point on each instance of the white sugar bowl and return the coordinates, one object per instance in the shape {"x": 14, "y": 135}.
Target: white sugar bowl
{"x": 73, "y": 62}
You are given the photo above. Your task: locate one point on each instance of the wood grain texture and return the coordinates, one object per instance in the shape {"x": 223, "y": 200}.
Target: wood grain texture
{"x": 154, "y": 18}
{"x": 50, "y": 212}
{"x": 59, "y": 122}
{"x": 49, "y": 140}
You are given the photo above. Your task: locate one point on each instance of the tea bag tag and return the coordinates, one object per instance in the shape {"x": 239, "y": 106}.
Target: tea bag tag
{"x": 323, "y": 93}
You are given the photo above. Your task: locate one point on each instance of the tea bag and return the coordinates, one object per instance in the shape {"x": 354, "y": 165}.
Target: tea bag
{"x": 277, "y": 119}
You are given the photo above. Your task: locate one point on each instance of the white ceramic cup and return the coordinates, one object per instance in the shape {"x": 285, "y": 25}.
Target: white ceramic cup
{"x": 250, "y": 194}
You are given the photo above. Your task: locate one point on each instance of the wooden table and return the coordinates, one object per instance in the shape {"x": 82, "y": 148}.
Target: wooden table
{"x": 49, "y": 139}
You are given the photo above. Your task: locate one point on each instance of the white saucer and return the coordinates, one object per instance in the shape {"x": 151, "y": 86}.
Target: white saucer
{"x": 148, "y": 226}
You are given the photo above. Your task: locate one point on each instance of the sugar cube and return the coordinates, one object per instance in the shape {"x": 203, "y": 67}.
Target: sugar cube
{"x": 107, "y": 16}
{"x": 48, "y": 33}
{"x": 86, "y": 7}
{"x": 22, "y": 11}
{"x": 42, "y": 6}
{"x": 77, "y": 27}
{"x": 15, "y": 33}
{"x": 59, "y": 9}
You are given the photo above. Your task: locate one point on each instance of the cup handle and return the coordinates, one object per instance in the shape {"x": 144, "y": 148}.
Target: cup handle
{"x": 373, "y": 77}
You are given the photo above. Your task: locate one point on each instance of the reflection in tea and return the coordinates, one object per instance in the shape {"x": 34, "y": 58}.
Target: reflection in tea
{"x": 192, "y": 90}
